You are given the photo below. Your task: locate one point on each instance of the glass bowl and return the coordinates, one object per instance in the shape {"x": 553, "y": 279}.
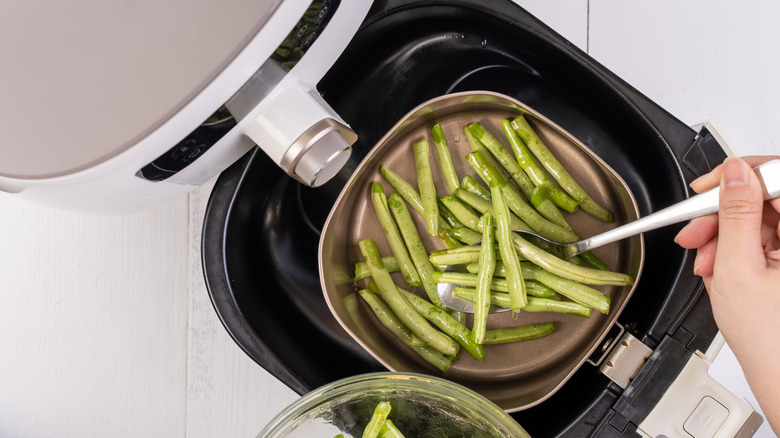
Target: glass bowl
{"x": 422, "y": 406}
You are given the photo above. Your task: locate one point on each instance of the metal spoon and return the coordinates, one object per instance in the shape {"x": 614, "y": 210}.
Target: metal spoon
{"x": 693, "y": 207}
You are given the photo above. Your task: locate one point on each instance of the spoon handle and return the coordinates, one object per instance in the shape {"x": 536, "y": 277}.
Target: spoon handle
{"x": 695, "y": 206}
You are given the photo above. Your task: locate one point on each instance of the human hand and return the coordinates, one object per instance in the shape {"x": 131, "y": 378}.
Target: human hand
{"x": 738, "y": 258}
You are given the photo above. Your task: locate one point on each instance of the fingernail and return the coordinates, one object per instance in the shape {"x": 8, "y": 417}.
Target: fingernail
{"x": 680, "y": 233}
{"x": 696, "y": 181}
{"x": 735, "y": 172}
{"x": 697, "y": 262}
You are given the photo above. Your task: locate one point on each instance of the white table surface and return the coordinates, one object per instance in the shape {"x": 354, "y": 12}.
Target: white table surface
{"x": 106, "y": 328}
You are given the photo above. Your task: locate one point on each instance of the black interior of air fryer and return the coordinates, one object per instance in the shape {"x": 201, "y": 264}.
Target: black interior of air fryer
{"x": 262, "y": 228}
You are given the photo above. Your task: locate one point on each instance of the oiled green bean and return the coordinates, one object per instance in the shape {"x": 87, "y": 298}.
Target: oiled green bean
{"x": 455, "y": 256}
{"x": 518, "y": 205}
{"x": 445, "y": 157}
{"x": 430, "y": 200}
{"x": 535, "y": 304}
{"x": 466, "y": 235}
{"x": 449, "y": 240}
{"x": 567, "y": 269}
{"x": 472, "y": 185}
{"x": 571, "y": 289}
{"x": 448, "y": 216}
{"x": 522, "y": 333}
{"x": 387, "y": 288}
{"x": 498, "y": 284}
{"x": 487, "y": 263}
{"x": 547, "y": 209}
{"x": 389, "y": 430}
{"x": 478, "y": 203}
{"x": 502, "y": 155}
{"x": 514, "y": 276}
{"x": 381, "y": 411}
{"x": 533, "y": 288}
{"x": 478, "y": 147}
{"x": 556, "y": 169}
{"x": 446, "y": 322}
{"x": 389, "y": 319}
{"x": 414, "y": 244}
{"x": 462, "y": 212}
{"x": 361, "y": 269}
{"x": 408, "y": 192}
{"x": 528, "y": 163}
{"x": 394, "y": 239}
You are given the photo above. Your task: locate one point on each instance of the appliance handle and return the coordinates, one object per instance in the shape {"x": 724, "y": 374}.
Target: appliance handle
{"x": 696, "y": 404}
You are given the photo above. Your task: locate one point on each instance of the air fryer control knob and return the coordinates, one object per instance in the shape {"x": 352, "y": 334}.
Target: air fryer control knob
{"x": 301, "y": 132}
{"x": 323, "y": 158}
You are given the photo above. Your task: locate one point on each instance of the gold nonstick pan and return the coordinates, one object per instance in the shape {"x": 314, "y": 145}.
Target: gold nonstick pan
{"x": 518, "y": 375}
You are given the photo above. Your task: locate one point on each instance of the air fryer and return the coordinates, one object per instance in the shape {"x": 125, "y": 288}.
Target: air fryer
{"x": 262, "y": 228}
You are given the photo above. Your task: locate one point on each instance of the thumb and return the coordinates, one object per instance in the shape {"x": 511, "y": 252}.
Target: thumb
{"x": 739, "y": 216}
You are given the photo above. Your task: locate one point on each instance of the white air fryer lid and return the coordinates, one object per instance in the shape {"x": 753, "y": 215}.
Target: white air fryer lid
{"x": 78, "y": 91}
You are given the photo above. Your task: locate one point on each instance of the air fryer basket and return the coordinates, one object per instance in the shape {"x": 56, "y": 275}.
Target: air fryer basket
{"x": 262, "y": 228}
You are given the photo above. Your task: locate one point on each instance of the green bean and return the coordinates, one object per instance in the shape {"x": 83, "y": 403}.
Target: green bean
{"x": 522, "y": 333}
{"x": 498, "y": 284}
{"x": 594, "y": 261}
{"x": 554, "y": 167}
{"x": 387, "y": 288}
{"x": 535, "y": 304}
{"x": 389, "y": 227}
{"x": 567, "y": 269}
{"x": 487, "y": 263}
{"x": 502, "y": 155}
{"x": 478, "y": 203}
{"x": 533, "y": 288}
{"x": 571, "y": 289}
{"x": 408, "y": 192}
{"x": 466, "y": 235}
{"x": 445, "y": 157}
{"x": 455, "y": 256}
{"x": 361, "y": 269}
{"x": 472, "y": 185}
{"x": 446, "y": 323}
{"x": 389, "y": 430}
{"x": 514, "y": 275}
{"x": 588, "y": 256}
{"x": 448, "y": 216}
{"x": 459, "y": 256}
{"x": 518, "y": 205}
{"x": 430, "y": 200}
{"x": 528, "y": 163}
{"x": 381, "y": 411}
{"x": 391, "y": 321}
{"x": 478, "y": 147}
{"x": 462, "y": 212}
{"x": 547, "y": 209}
{"x": 415, "y": 246}
{"x": 449, "y": 240}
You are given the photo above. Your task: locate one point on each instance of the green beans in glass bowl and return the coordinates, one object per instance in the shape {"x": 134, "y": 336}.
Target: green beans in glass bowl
{"x": 422, "y": 406}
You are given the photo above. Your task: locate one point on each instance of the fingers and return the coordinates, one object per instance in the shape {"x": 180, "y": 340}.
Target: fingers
{"x": 740, "y": 218}
{"x": 712, "y": 179}
{"x": 704, "y": 263}
{"x": 698, "y": 232}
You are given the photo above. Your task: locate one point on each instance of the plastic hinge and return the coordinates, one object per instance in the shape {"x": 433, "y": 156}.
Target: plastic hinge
{"x": 625, "y": 360}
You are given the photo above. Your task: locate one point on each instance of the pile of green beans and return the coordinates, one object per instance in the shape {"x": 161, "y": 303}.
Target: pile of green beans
{"x": 523, "y": 187}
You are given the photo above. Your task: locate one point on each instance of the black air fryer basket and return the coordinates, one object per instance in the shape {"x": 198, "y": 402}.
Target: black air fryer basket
{"x": 262, "y": 228}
